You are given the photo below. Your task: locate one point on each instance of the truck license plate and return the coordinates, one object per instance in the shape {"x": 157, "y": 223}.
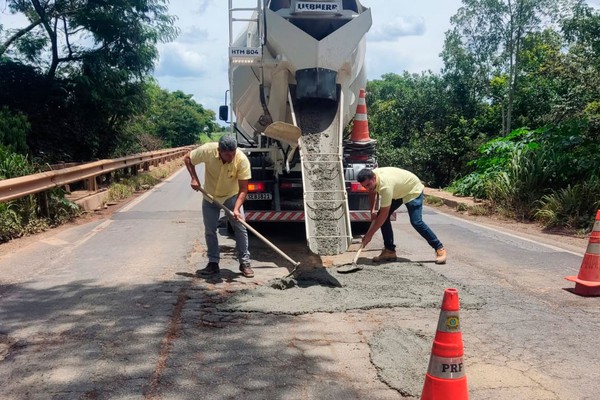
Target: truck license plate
{"x": 259, "y": 196}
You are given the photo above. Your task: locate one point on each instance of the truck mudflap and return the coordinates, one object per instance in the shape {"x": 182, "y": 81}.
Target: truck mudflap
{"x": 298, "y": 216}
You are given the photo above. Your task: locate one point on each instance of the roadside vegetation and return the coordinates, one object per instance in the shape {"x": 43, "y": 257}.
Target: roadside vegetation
{"x": 514, "y": 116}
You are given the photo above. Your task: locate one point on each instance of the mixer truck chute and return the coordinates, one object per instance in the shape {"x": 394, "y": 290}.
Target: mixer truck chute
{"x": 295, "y": 71}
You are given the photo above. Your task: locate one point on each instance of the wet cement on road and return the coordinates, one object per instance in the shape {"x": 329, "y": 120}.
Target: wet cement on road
{"x": 400, "y": 355}
{"x": 323, "y": 290}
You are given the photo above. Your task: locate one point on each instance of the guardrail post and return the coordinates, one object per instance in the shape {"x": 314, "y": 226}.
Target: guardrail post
{"x": 42, "y": 198}
{"x": 91, "y": 184}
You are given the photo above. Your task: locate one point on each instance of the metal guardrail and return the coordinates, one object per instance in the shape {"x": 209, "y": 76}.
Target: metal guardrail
{"x": 22, "y": 186}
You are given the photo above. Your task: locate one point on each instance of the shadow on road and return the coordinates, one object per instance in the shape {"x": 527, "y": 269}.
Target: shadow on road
{"x": 83, "y": 340}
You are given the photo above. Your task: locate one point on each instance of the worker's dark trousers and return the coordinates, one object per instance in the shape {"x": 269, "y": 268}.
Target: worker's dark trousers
{"x": 415, "y": 213}
{"x": 210, "y": 214}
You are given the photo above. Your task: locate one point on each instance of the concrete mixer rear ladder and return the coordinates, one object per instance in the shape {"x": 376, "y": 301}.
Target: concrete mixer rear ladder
{"x": 251, "y": 54}
{"x": 257, "y": 15}
{"x": 326, "y": 211}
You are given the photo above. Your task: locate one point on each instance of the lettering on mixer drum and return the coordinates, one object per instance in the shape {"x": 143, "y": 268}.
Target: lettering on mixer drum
{"x": 303, "y": 6}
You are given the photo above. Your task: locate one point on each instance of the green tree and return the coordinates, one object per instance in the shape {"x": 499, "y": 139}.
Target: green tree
{"x": 417, "y": 127}
{"x": 173, "y": 117}
{"x": 62, "y": 35}
{"x": 582, "y": 70}
{"x": 542, "y": 60}
{"x": 13, "y": 130}
{"x": 492, "y": 33}
{"x": 78, "y": 71}
{"x": 180, "y": 120}
{"x": 461, "y": 76}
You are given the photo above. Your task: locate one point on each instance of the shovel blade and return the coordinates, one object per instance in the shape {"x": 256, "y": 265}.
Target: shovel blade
{"x": 283, "y": 132}
{"x": 345, "y": 269}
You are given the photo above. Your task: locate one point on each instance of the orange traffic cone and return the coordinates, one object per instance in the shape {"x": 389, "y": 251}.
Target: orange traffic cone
{"x": 587, "y": 283}
{"x": 360, "y": 130}
{"x": 446, "y": 378}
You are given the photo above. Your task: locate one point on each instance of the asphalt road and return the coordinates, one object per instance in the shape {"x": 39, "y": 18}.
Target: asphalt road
{"x": 111, "y": 309}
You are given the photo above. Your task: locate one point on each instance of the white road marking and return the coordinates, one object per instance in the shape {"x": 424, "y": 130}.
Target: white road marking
{"x": 93, "y": 232}
{"x": 149, "y": 192}
{"x": 549, "y": 246}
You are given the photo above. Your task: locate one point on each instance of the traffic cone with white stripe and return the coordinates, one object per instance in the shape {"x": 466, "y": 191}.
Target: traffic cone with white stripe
{"x": 360, "y": 129}
{"x": 446, "y": 378}
{"x": 587, "y": 283}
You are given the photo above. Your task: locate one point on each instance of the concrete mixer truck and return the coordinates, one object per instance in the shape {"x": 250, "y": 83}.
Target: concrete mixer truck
{"x": 295, "y": 72}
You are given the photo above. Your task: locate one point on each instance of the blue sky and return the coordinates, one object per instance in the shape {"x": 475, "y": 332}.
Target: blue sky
{"x": 405, "y": 36}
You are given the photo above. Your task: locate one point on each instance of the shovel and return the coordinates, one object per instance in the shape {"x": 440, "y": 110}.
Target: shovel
{"x": 344, "y": 269}
{"x": 251, "y": 229}
{"x": 347, "y": 268}
{"x": 284, "y": 132}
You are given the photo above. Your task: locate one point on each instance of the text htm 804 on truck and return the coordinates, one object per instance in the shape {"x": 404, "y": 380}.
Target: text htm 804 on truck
{"x": 295, "y": 72}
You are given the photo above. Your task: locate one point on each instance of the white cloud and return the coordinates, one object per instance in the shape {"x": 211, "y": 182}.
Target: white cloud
{"x": 202, "y": 6}
{"x": 399, "y": 27}
{"x": 193, "y": 35}
{"x": 177, "y": 60}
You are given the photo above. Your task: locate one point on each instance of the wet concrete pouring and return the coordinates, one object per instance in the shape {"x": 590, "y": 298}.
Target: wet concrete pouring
{"x": 323, "y": 174}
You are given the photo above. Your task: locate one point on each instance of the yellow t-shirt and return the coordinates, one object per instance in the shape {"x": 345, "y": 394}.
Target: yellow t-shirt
{"x": 396, "y": 183}
{"x": 221, "y": 180}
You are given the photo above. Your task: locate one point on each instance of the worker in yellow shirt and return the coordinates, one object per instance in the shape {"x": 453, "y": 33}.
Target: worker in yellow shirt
{"x": 227, "y": 171}
{"x": 394, "y": 187}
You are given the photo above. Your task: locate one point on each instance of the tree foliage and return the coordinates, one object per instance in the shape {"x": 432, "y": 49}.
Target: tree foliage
{"x": 118, "y": 36}
{"x": 492, "y": 33}
{"x": 513, "y": 117}
{"x": 173, "y": 119}
{"x": 416, "y": 126}
{"x": 14, "y": 128}
{"x": 79, "y": 74}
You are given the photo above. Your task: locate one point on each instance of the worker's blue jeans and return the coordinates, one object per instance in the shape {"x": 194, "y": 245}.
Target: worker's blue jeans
{"x": 211, "y": 214}
{"x": 415, "y": 213}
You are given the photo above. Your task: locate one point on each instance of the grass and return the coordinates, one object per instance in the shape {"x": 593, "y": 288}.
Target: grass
{"x": 126, "y": 187}
{"x": 434, "y": 201}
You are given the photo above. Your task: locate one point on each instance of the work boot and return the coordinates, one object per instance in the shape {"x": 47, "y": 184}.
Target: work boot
{"x": 212, "y": 268}
{"x": 440, "y": 256}
{"x": 246, "y": 270}
{"x": 386, "y": 255}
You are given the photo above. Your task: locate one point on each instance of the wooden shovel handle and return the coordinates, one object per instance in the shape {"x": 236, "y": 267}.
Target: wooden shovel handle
{"x": 251, "y": 229}
{"x": 357, "y": 254}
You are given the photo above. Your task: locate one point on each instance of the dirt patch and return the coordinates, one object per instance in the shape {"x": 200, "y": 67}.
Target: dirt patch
{"x": 7, "y": 346}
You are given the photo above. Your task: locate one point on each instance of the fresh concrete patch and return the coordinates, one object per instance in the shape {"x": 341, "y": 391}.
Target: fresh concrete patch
{"x": 401, "y": 357}
{"x": 323, "y": 290}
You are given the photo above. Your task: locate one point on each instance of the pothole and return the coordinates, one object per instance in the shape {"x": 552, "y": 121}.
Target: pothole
{"x": 7, "y": 346}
